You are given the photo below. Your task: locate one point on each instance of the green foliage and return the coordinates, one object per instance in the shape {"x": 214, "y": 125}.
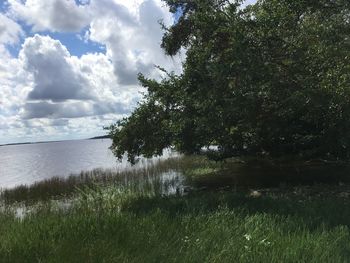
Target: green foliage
{"x": 269, "y": 80}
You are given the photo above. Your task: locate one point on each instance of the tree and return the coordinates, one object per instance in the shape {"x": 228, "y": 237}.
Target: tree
{"x": 268, "y": 80}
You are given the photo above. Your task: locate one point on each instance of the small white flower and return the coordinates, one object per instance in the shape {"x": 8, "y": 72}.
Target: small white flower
{"x": 265, "y": 242}
{"x": 248, "y": 237}
{"x": 186, "y": 239}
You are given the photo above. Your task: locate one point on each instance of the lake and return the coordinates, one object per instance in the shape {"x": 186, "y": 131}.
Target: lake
{"x": 28, "y": 163}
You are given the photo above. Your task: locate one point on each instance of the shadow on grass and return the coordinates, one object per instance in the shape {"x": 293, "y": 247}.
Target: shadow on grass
{"x": 314, "y": 213}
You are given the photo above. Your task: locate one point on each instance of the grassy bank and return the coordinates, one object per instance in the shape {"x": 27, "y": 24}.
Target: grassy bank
{"x": 116, "y": 222}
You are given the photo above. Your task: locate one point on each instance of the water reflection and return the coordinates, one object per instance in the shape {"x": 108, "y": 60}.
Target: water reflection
{"x": 26, "y": 164}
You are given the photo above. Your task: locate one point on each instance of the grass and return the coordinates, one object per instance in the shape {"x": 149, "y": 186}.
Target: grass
{"x": 62, "y": 188}
{"x": 210, "y": 227}
{"x": 129, "y": 222}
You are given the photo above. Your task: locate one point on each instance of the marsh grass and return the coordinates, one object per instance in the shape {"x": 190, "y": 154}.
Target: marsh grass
{"x": 123, "y": 226}
{"x": 177, "y": 175}
{"x": 161, "y": 176}
{"x": 131, "y": 216}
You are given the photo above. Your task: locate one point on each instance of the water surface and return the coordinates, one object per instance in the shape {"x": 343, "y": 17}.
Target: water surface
{"x": 28, "y": 163}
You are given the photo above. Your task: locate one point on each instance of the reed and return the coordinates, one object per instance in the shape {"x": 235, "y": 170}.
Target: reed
{"x": 150, "y": 175}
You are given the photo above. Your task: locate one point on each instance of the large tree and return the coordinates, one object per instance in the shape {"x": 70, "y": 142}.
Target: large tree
{"x": 268, "y": 80}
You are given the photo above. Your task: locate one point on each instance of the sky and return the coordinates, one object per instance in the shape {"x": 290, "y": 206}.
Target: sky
{"x": 68, "y": 68}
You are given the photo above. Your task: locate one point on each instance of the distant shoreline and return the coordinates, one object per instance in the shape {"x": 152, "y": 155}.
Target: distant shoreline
{"x": 25, "y": 143}
{"x": 100, "y": 137}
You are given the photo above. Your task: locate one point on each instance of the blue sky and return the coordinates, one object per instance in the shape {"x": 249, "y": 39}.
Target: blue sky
{"x": 69, "y": 67}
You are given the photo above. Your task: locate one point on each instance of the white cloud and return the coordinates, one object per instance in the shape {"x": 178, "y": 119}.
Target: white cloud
{"x": 46, "y": 69}
{"x": 48, "y": 93}
{"x": 10, "y": 31}
{"x": 65, "y": 86}
{"x": 130, "y": 29}
{"x": 55, "y": 76}
{"x": 13, "y": 86}
{"x": 134, "y": 47}
{"x": 53, "y": 15}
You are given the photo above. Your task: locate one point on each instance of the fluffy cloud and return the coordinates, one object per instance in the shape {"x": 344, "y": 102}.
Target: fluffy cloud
{"x": 134, "y": 47}
{"x": 64, "y": 86}
{"x": 48, "y": 93}
{"x": 55, "y": 77}
{"x": 13, "y": 89}
{"x": 129, "y": 29}
{"x": 54, "y": 15}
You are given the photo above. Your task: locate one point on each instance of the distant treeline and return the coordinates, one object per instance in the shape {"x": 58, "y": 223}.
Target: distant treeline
{"x": 100, "y": 137}
{"x": 21, "y": 143}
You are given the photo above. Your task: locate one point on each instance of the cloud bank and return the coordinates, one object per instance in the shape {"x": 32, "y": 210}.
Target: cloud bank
{"x": 49, "y": 92}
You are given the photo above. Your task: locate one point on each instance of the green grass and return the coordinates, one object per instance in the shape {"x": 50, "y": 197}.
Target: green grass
{"x": 210, "y": 227}
{"x": 134, "y": 222}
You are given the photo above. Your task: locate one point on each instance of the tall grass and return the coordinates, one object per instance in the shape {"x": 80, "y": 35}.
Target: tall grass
{"x": 201, "y": 227}
{"x": 160, "y": 176}
{"x": 129, "y": 216}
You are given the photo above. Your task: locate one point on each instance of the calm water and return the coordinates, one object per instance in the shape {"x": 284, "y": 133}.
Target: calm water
{"x": 26, "y": 164}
